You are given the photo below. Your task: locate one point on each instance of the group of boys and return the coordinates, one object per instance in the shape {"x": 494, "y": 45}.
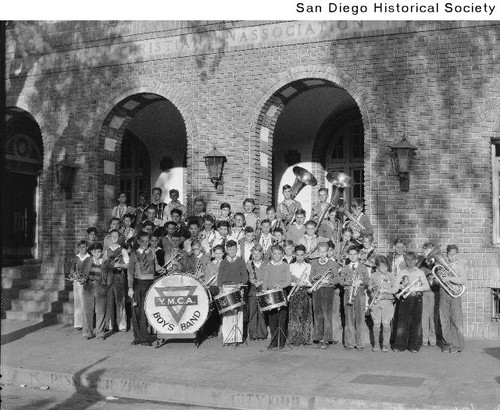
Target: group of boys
{"x": 157, "y": 238}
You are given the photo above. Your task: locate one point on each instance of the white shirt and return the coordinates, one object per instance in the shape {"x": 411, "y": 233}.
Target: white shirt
{"x": 266, "y": 241}
{"x": 248, "y": 250}
{"x": 297, "y": 270}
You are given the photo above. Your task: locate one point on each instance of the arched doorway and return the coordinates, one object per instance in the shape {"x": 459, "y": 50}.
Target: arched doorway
{"x": 23, "y": 164}
{"x": 302, "y": 113}
{"x": 134, "y": 167}
{"x": 145, "y": 145}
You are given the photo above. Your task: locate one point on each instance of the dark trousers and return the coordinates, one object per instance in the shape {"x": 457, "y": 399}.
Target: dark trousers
{"x": 323, "y": 314}
{"x": 354, "y": 318}
{"x": 450, "y": 311}
{"x": 409, "y": 330}
{"x": 115, "y": 306}
{"x": 257, "y": 328}
{"x": 278, "y": 318}
{"x": 139, "y": 320}
{"x": 94, "y": 300}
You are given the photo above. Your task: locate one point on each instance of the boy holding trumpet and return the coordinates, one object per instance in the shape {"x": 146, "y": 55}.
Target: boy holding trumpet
{"x": 409, "y": 325}
{"x": 326, "y": 299}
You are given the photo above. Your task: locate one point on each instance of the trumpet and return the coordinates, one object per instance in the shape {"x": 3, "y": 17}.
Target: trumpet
{"x": 321, "y": 281}
{"x": 405, "y": 292}
{"x": 375, "y": 297}
{"x": 177, "y": 257}
{"x": 211, "y": 281}
{"x": 296, "y": 286}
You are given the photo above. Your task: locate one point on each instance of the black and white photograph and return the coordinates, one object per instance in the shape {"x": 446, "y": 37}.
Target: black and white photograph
{"x": 299, "y": 212}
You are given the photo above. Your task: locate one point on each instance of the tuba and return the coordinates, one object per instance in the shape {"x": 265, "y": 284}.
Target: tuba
{"x": 443, "y": 269}
{"x": 340, "y": 181}
{"x": 302, "y": 178}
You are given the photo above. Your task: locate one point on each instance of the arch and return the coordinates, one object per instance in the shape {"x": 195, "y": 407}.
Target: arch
{"x": 112, "y": 125}
{"x": 23, "y": 159}
{"x": 270, "y": 100}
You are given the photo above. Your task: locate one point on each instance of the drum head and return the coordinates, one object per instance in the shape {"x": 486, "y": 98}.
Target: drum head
{"x": 177, "y": 304}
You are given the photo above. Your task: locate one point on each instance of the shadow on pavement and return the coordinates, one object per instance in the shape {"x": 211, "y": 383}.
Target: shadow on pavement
{"x": 493, "y": 351}
{"x": 19, "y": 333}
{"x": 84, "y": 396}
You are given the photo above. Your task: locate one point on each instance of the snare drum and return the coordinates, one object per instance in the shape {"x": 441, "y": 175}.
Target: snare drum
{"x": 229, "y": 301}
{"x": 271, "y": 299}
{"x": 177, "y": 304}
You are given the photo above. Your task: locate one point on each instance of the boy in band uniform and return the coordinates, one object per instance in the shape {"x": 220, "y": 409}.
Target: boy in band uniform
{"x": 197, "y": 262}
{"x": 142, "y": 270}
{"x": 77, "y": 275}
{"x": 409, "y": 323}
{"x": 396, "y": 258}
{"x": 246, "y": 245}
{"x": 114, "y": 225}
{"x": 158, "y": 205}
{"x": 155, "y": 247}
{"x": 289, "y": 256}
{"x": 382, "y": 282}
{"x": 173, "y": 204}
{"x": 182, "y": 228}
{"x": 249, "y": 213}
{"x": 91, "y": 237}
{"x": 319, "y": 207}
{"x": 140, "y": 211}
{"x": 257, "y": 328}
{"x": 238, "y": 229}
{"x": 450, "y": 309}
{"x": 329, "y": 226}
{"x": 194, "y": 231}
{"x": 288, "y": 207}
{"x": 116, "y": 259}
{"x": 199, "y": 211}
{"x": 276, "y": 275}
{"x": 95, "y": 294}
{"x": 175, "y": 263}
{"x": 311, "y": 241}
{"x": 326, "y": 300}
{"x": 342, "y": 248}
{"x": 271, "y": 216}
{"x": 222, "y": 234}
{"x": 265, "y": 239}
{"x": 355, "y": 279}
{"x": 231, "y": 277}
{"x": 208, "y": 235}
{"x": 297, "y": 229}
{"x": 170, "y": 229}
{"x": 361, "y": 218}
{"x": 225, "y": 214}
{"x": 368, "y": 253}
{"x": 430, "y": 300}
{"x": 122, "y": 208}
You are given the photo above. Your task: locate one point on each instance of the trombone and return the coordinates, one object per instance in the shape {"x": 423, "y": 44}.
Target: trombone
{"x": 353, "y": 291}
{"x": 321, "y": 281}
{"x": 296, "y": 286}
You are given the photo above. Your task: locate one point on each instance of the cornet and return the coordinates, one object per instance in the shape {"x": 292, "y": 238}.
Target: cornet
{"x": 405, "y": 292}
{"x": 177, "y": 257}
{"x": 321, "y": 281}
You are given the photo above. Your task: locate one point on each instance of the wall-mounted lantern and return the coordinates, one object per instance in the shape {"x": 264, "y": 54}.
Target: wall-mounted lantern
{"x": 401, "y": 155}
{"x": 214, "y": 161}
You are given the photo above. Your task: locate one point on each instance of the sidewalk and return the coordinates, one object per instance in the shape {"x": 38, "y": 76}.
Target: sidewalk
{"x": 252, "y": 377}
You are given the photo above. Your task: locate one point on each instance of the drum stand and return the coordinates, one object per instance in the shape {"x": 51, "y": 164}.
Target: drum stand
{"x": 235, "y": 330}
{"x": 278, "y": 334}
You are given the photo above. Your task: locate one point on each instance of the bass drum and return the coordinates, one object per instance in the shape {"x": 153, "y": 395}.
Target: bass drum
{"x": 177, "y": 304}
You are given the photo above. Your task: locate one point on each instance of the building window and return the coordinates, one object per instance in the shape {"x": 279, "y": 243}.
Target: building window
{"x": 495, "y": 296}
{"x": 134, "y": 168}
{"x": 346, "y": 154}
{"x": 495, "y": 158}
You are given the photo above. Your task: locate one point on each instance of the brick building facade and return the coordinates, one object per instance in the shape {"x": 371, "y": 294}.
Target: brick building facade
{"x": 228, "y": 83}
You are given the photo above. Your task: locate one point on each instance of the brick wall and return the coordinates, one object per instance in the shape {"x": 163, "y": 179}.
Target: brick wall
{"x": 435, "y": 83}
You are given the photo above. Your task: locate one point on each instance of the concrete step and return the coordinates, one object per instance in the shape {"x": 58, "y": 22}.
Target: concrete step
{"x": 37, "y": 306}
{"x": 20, "y": 272}
{"x": 44, "y": 295}
{"x": 9, "y": 283}
{"x": 66, "y": 318}
{"x": 47, "y": 284}
{"x": 68, "y": 308}
{"x": 48, "y": 317}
